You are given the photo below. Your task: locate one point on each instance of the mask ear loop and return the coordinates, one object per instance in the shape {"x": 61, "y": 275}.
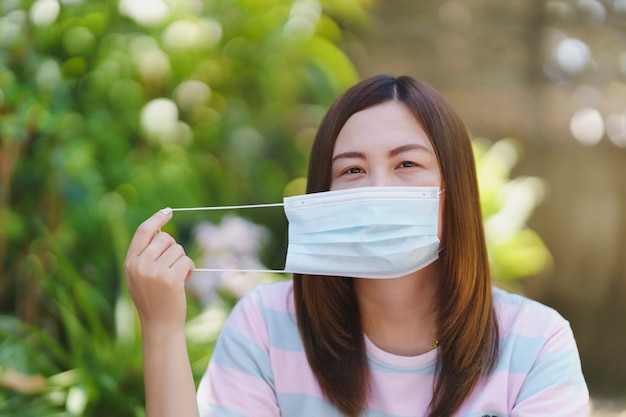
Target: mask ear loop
{"x": 215, "y": 208}
{"x": 441, "y": 191}
{"x": 228, "y": 207}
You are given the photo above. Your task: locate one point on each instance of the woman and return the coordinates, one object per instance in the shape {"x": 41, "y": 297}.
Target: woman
{"x": 436, "y": 341}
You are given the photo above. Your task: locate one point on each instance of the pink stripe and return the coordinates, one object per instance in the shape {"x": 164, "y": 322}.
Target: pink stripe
{"x": 292, "y": 374}
{"x": 566, "y": 401}
{"x": 280, "y": 298}
{"x": 562, "y": 339}
{"x": 249, "y": 321}
{"x": 244, "y": 394}
{"x": 513, "y": 319}
{"x": 399, "y": 394}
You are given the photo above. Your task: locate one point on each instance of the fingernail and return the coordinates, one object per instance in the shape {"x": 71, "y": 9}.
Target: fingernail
{"x": 166, "y": 211}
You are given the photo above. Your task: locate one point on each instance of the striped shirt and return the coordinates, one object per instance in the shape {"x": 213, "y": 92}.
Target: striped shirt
{"x": 259, "y": 367}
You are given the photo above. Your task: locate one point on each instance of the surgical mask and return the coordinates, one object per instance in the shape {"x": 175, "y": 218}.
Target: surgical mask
{"x": 371, "y": 232}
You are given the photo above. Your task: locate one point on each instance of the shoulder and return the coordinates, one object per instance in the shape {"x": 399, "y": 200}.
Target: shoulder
{"x": 532, "y": 332}
{"x": 538, "y": 357}
{"x": 533, "y": 337}
{"x": 273, "y": 296}
{"x": 522, "y": 315}
{"x": 538, "y": 361}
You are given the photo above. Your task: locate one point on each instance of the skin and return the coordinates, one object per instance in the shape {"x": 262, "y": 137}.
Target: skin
{"x": 385, "y": 146}
{"x": 156, "y": 271}
{"x": 380, "y": 146}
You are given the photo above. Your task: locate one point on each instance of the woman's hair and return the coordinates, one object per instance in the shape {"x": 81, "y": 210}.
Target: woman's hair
{"x": 326, "y": 307}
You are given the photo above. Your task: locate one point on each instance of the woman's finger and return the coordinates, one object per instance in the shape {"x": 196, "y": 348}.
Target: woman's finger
{"x": 147, "y": 230}
{"x": 183, "y": 266}
{"x": 160, "y": 243}
{"x": 172, "y": 254}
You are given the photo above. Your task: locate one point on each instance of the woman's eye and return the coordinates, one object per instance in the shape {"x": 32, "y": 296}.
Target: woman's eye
{"x": 353, "y": 170}
{"x": 407, "y": 164}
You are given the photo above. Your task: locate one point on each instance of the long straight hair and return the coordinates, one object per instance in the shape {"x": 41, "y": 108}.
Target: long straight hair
{"x": 327, "y": 310}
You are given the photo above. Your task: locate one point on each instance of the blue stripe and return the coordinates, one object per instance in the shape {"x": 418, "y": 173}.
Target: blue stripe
{"x": 428, "y": 369}
{"x": 518, "y": 353}
{"x": 300, "y": 405}
{"x": 553, "y": 370}
{"x": 283, "y": 330}
{"x": 487, "y": 413}
{"x": 305, "y": 405}
{"x": 501, "y": 296}
{"x": 218, "y": 411}
{"x": 243, "y": 355}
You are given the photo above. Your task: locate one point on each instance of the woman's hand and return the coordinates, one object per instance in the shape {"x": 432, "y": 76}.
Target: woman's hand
{"x": 156, "y": 271}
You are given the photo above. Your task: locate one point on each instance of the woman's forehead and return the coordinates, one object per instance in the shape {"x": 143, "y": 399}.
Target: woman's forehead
{"x": 382, "y": 127}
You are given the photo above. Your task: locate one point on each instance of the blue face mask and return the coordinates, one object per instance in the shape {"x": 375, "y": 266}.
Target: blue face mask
{"x": 370, "y": 232}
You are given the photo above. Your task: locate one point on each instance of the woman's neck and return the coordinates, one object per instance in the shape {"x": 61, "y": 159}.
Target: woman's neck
{"x": 399, "y": 315}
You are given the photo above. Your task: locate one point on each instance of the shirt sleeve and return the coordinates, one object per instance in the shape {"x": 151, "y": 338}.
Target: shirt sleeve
{"x": 555, "y": 385}
{"x": 239, "y": 381}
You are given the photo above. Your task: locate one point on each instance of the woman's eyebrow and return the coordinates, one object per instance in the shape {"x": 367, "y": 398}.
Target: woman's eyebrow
{"x": 393, "y": 152}
{"x": 349, "y": 155}
{"x": 409, "y": 147}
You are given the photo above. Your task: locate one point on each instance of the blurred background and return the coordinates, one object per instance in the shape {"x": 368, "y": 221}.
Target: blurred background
{"x": 110, "y": 111}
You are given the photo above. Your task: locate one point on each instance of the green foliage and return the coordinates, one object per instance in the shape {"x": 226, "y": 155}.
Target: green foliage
{"x": 515, "y": 250}
{"x": 110, "y": 111}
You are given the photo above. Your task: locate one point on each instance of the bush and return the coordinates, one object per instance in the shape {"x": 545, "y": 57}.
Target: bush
{"x": 109, "y": 113}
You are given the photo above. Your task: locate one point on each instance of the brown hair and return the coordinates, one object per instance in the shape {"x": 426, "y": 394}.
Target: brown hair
{"x": 326, "y": 307}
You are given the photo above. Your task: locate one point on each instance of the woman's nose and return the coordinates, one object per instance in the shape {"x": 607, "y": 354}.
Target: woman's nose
{"x": 380, "y": 179}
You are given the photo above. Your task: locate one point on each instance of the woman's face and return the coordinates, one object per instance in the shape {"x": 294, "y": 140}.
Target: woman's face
{"x": 383, "y": 146}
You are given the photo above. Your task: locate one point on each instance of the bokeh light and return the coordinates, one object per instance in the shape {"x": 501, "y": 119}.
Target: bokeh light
{"x": 572, "y": 55}
{"x": 44, "y": 12}
{"x": 48, "y": 75}
{"x": 192, "y": 93}
{"x": 594, "y": 11}
{"x": 185, "y": 35}
{"x": 159, "y": 119}
{"x": 587, "y": 126}
{"x": 616, "y": 128}
{"x": 11, "y": 27}
{"x": 303, "y": 19}
{"x": 145, "y": 12}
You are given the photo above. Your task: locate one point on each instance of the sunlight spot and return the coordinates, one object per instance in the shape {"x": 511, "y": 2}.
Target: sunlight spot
{"x": 572, "y": 55}
{"x": 192, "y": 93}
{"x": 620, "y": 6}
{"x": 145, "y": 12}
{"x": 616, "y": 128}
{"x": 594, "y": 10}
{"x": 185, "y": 34}
{"x": 587, "y": 126}
{"x": 76, "y": 400}
{"x": 48, "y": 75}
{"x": 44, "y": 12}
{"x": 159, "y": 119}
{"x": 303, "y": 19}
{"x": 154, "y": 65}
{"x": 11, "y": 27}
